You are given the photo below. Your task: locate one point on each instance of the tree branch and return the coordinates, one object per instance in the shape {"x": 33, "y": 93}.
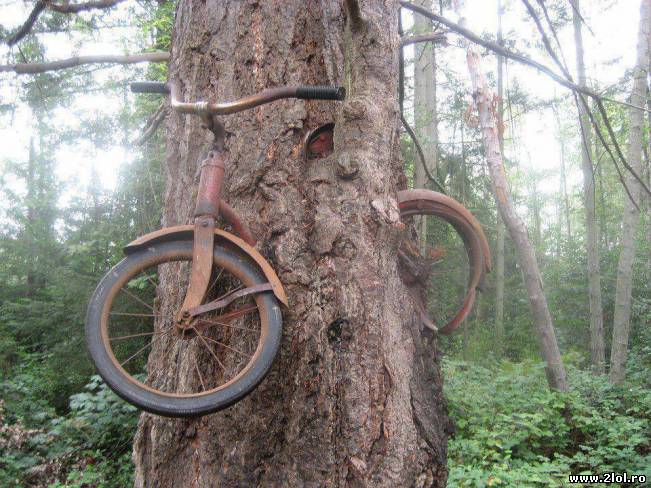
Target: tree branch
{"x": 421, "y": 155}
{"x": 584, "y": 103}
{"x": 525, "y": 60}
{"x": 496, "y": 48}
{"x": 64, "y": 8}
{"x": 34, "y": 68}
{"x": 433, "y": 37}
{"x": 401, "y": 100}
{"x": 152, "y": 124}
{"x": 29, "y": 23}
{"x": 75, "y": 8}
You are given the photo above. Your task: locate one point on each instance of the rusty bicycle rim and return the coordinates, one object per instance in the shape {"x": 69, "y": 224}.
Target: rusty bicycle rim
{"x": 169, "y": 257}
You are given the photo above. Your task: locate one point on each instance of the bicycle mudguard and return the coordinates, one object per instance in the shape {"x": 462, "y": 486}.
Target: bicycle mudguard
{"x": 418, "y": 202}
{"x": 186, "y": 232}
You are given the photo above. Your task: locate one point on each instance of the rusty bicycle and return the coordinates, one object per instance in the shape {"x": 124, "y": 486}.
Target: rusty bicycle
{"x": 220, "y": 316}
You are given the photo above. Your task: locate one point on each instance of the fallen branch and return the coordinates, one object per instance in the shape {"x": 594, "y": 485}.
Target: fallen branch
{"x": 34, "y": 68}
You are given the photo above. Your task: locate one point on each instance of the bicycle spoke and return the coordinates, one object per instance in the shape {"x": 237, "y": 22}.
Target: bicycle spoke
{"x": 237, "y": 288}
{"x": 209, "y": 349}
{"x": 137, "y": 298}
{"x": 235, "y": 313}
{"x": 227, "y": 347}
{"x": 228, "y": 325}
{"x": 137, "y": 335}
{"x": 150, "y": 279}
{"x": 129, "y": 314}
{"x": 215, "y": 281}
{"x": 196, "y": 366}
{"x": 137, "y": 352}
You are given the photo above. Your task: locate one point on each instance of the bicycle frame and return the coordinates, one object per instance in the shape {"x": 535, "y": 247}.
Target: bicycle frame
{"x": 208, "y": 202}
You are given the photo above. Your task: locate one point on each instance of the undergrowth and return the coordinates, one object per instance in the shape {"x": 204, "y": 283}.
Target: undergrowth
{"x": 512, "y": 431}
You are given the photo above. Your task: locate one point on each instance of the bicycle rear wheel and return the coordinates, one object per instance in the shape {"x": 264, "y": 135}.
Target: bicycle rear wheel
{"x": 216, "y": 363}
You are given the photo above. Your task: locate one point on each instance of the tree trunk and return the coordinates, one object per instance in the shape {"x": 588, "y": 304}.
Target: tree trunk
{"x": 499, "y": 245}
{"x": 31, "y": 223}
{"x": 483, "y": 97}
{"x": 425, "y": 114}
{"x": 537, "y": 225}
{"x": 630, "y": 219}
{"x": 597, "y": 348}
{"x": 354, "y": 397}
{"x": 564, "y": 206}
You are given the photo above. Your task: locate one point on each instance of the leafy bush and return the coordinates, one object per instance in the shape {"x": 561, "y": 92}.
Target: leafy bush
{"x": 512, "y": 431}
{"x": 90, "y": 446}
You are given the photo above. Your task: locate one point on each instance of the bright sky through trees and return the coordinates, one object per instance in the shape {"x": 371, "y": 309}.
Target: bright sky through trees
{"x": 610, "y": 51}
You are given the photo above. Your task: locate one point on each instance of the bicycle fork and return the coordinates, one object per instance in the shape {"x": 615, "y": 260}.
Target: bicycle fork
{"x": 206, "y": 211}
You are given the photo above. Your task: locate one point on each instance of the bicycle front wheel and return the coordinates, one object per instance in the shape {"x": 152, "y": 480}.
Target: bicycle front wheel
{"x": 130, "y": 325}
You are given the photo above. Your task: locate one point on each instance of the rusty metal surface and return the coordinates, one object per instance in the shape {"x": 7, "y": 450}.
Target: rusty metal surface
{"x": 210, "y": 184}
{"x": 427, "y": 202}
{"x": 239, "y": 227}
{"x": 185, "y": 232}
{"x": 411, "y": 198}
{"x": 202, "y": 258}
{"x": 319, "y": 143}
{"x": 228, "y": 299}
{"x": 260, "y": 98}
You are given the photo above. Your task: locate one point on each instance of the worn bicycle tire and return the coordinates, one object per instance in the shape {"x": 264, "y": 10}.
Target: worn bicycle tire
{"x": 172, "y": 404}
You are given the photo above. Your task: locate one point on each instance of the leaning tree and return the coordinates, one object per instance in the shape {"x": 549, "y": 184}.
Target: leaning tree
{"x": 354, "y": 398}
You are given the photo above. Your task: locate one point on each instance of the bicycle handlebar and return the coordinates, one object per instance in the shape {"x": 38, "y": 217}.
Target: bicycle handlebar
{"x": 265, "y": 96}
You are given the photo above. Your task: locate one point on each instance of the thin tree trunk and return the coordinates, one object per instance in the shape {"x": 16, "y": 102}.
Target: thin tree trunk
{"x": 30, "y": 226}
{"x": 630, "y": 219}
{"x": 537, "y": 226}
{"x": 425, "y": 113}
{"x": 354, "y": 397}
{"x": 499, "y": 251}
{"x": 483, "y": 97}
{"x": 563, "y": 183}
{"x": 597, "y": 348}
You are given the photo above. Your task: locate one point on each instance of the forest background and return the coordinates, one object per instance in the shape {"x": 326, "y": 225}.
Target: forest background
{"x": 78, "y": 181}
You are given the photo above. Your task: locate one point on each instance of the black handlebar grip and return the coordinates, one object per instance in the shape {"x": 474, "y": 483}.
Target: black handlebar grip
{"x": 150, "y": 87}
{"x": 321, "y": 92}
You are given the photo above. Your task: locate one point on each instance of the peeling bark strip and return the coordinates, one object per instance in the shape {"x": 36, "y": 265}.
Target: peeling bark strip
{"x": 542, "y": 319}
{"x": 354, "y": 398}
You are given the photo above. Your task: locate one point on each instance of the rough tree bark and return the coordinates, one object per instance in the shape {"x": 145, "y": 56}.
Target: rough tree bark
{"x": 597, "y": 348}
{"x": 631, "y": 217}
{"x": 484, "y": 98}
{"x": 354, "y": 398}
{"x": 425, "y": 114}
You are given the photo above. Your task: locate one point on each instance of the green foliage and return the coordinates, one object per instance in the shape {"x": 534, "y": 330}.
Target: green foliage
{"x": 511, "y": 430}
{"x": 90, "y": 446}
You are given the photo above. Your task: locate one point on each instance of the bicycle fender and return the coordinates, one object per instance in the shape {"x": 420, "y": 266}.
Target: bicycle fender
{"x": 415, "y": 202}
{"x": 185, "y": 232}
